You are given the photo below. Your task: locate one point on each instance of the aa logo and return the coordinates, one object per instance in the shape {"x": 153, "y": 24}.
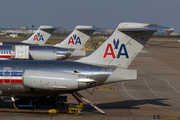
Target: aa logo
{"x": 74, "y": 40}
{"x": 38, "y": 37}
{"x": 122, "y": 50}
{"x": 116, "y": 43}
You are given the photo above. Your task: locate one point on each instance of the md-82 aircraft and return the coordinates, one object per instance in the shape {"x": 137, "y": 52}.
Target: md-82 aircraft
{"x": 38, "y": 38}
{"x": 69, "y": 47}
{"x": 108, "y": 64}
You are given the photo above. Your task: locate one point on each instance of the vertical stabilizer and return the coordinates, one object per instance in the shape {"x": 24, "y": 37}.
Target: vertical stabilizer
{"x": 78, "y": 38}
{"x": 41, "y": 35}
{"x": 123, "y": 45}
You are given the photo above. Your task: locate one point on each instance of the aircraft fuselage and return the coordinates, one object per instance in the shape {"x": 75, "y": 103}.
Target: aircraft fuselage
{"x": 13, "y": 43}
{"x": 5, "y": 51}
{"x": 11, "y": 74}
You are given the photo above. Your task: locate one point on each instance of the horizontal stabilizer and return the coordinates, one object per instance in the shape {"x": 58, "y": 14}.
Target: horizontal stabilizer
{"x": 150, "y": 27}
{"x": 50, "y": 29}
{"x": 45, "y": 27}
{"x": 93, "y": 28}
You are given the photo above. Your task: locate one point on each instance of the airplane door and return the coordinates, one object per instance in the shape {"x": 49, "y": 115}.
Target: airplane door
{"x": 6, "y": 75}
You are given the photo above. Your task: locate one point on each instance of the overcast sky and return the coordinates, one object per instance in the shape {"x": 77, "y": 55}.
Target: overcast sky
{"x": 102, "y": 13}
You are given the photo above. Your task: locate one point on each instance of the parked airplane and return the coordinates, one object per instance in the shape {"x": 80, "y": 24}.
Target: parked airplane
{"x": 69, "y": 47}
{"x": 38, "y": 38}
{"x": 108, "y": 64}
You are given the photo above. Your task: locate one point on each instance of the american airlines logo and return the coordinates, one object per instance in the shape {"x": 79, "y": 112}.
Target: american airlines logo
{"x": 116, "y": 43}
{"x": 74, "y": 40}
{"x": 38, "y": 37}
{"x": 122, "y": 50}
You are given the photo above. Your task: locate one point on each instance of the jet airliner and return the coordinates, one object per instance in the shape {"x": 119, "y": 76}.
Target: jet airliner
{"x": 69, "y": 47}
{"x": 107, "y": 64}
{"x": 38, "y": 38}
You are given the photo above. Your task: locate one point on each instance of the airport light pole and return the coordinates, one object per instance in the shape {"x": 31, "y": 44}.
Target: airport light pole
{"x": 32, "y": 28}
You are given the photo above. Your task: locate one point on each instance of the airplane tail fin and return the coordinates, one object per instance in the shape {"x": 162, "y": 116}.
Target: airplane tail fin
{"x": 123, "y": 45}
{"x": 41, "y": 35}
{"x": 78, "y": 38}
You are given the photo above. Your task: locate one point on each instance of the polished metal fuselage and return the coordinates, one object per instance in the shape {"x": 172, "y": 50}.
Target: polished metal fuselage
{"x": 13, "y": 43}
{"x": 5, "y": 50}
{"x": 11, "y": 72}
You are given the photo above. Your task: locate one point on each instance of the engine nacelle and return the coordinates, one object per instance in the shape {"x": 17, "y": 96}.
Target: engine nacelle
{"x": 54, "y": 80}
{"x": 42, "y": 55}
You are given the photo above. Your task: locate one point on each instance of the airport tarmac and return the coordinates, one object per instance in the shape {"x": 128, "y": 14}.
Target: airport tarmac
{"x": 155, "y": 92}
